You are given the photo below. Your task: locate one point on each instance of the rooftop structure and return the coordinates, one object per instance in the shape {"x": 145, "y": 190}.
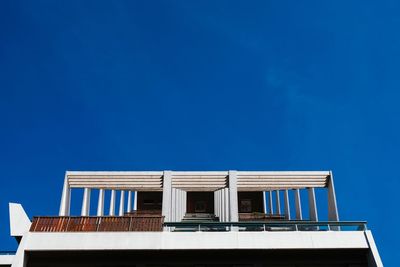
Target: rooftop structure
{"x": 220, "y": 218}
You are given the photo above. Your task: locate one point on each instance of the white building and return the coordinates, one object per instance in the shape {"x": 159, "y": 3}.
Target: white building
{"x": 176, "y": 218}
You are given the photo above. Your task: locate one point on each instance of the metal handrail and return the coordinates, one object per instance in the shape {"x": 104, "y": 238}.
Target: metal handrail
{"x": 266, "y": 226}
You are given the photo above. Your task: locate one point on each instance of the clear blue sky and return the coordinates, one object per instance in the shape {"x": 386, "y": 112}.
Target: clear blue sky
{"x": 196, "y": 85}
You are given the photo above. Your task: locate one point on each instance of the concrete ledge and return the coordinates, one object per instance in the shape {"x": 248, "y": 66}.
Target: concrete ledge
{"x": 6, "y": 259}
{"x": 194, "y": 240}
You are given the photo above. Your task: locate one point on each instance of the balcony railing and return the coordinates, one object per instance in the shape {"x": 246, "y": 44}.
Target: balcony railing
{"x": 151, "y": 223}
{"x": 265, "y": 226}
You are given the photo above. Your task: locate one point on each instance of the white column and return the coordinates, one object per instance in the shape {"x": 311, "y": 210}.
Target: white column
{"x": 233, "y": 197}
{"x": 271, "y": 203}
{"x": 85, "y": 202}
{"x": 216, "y": 200}
{"x": 129, "y": 202}
{"x": 100, "y": 203}
{"x": 264, "y": 202}
{"x": 65, "y": 198}
{"x": 297, "y": 200}
{"x": 277, "y": 203}
{"x": 167, "y": 196}
{"x": 135, "y": 198}
{"x": 222, "y": 205}
{"x": 287, "y": 205}
{"x": 180, "y": 205}
{"x": 112, "y": 203}
{"x": 121, "y": 203}
{"x": 312, "y": 205}
{"x": 333, "y": 214}
{"x": 173, "y": 205}
{"x": 227, "y": 205}
{"x": 215, "y": 204}
{"x": 184, "y": 202}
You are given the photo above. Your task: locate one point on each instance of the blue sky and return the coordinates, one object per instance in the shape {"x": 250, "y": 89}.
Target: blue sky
{"x": 202, "y": 85}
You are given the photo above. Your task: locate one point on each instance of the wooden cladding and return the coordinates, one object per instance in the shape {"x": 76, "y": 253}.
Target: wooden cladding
{"x": 198, "y": 180}
{"x": 137, "y": 223}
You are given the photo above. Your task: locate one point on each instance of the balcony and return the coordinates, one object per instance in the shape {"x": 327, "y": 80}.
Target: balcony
{"x": 138, "y": 223}
{"x": 154, "y": 223}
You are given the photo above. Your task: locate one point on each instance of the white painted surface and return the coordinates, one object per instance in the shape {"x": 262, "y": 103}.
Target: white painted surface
{"x": 312, "y": 205}
{"x": 85, "y": 202}
{"x": 194, "y": 240}
{"x": 100, "y": 204}
{"x": 129, "y": 202}
{"x": 19, "y": 221}
{"x": 233, "y": 215}
{"x": 287, "y": 205}
{"x": 121, "y": 203}
{"x": 6, "y": 259}
{"x": 112, "y": 203}
{"x": 374, "y": 257}
{"x": 297, "y": 202}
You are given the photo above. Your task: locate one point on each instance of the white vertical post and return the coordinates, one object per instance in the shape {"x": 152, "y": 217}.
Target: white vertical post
{"x": 184, "y": 202}
{"x": 173, "y": 205}
{"x": 312, "y": 205}
{"x": 135, "y": 198}
{"x": 287, "y": 205}
{"x": 227, "y": 205}
{"x": 167, "y": 196}
{"x": 233, "y": 197}
{"x": 121, "y": 203}
{"x": 182, "y": 208}
{"x": 277, "y": 202}
{"x": 65, "y": 198}
{"x": 215, "y": 204}
{"x": 297, "y": 200}
{"x": 178, "y": 205}
{"x": 85, "y": 202}
{"x": 333, "y": 214}
{"x": 112, "y": 203}
{"x": 264, "y": 202}
{"x": 129, "y": 202}
{"x": 271, "y": 203}
{"x": 100, "y": 203}
{"x": 222, "y": 205}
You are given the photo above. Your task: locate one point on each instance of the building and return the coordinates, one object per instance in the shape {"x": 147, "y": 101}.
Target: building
{"x": 178, "y": 218}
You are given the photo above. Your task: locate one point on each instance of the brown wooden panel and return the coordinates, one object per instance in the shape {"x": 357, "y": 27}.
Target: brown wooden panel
{"x": 114, "y": 224}
{"x": 143, "y": 222}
